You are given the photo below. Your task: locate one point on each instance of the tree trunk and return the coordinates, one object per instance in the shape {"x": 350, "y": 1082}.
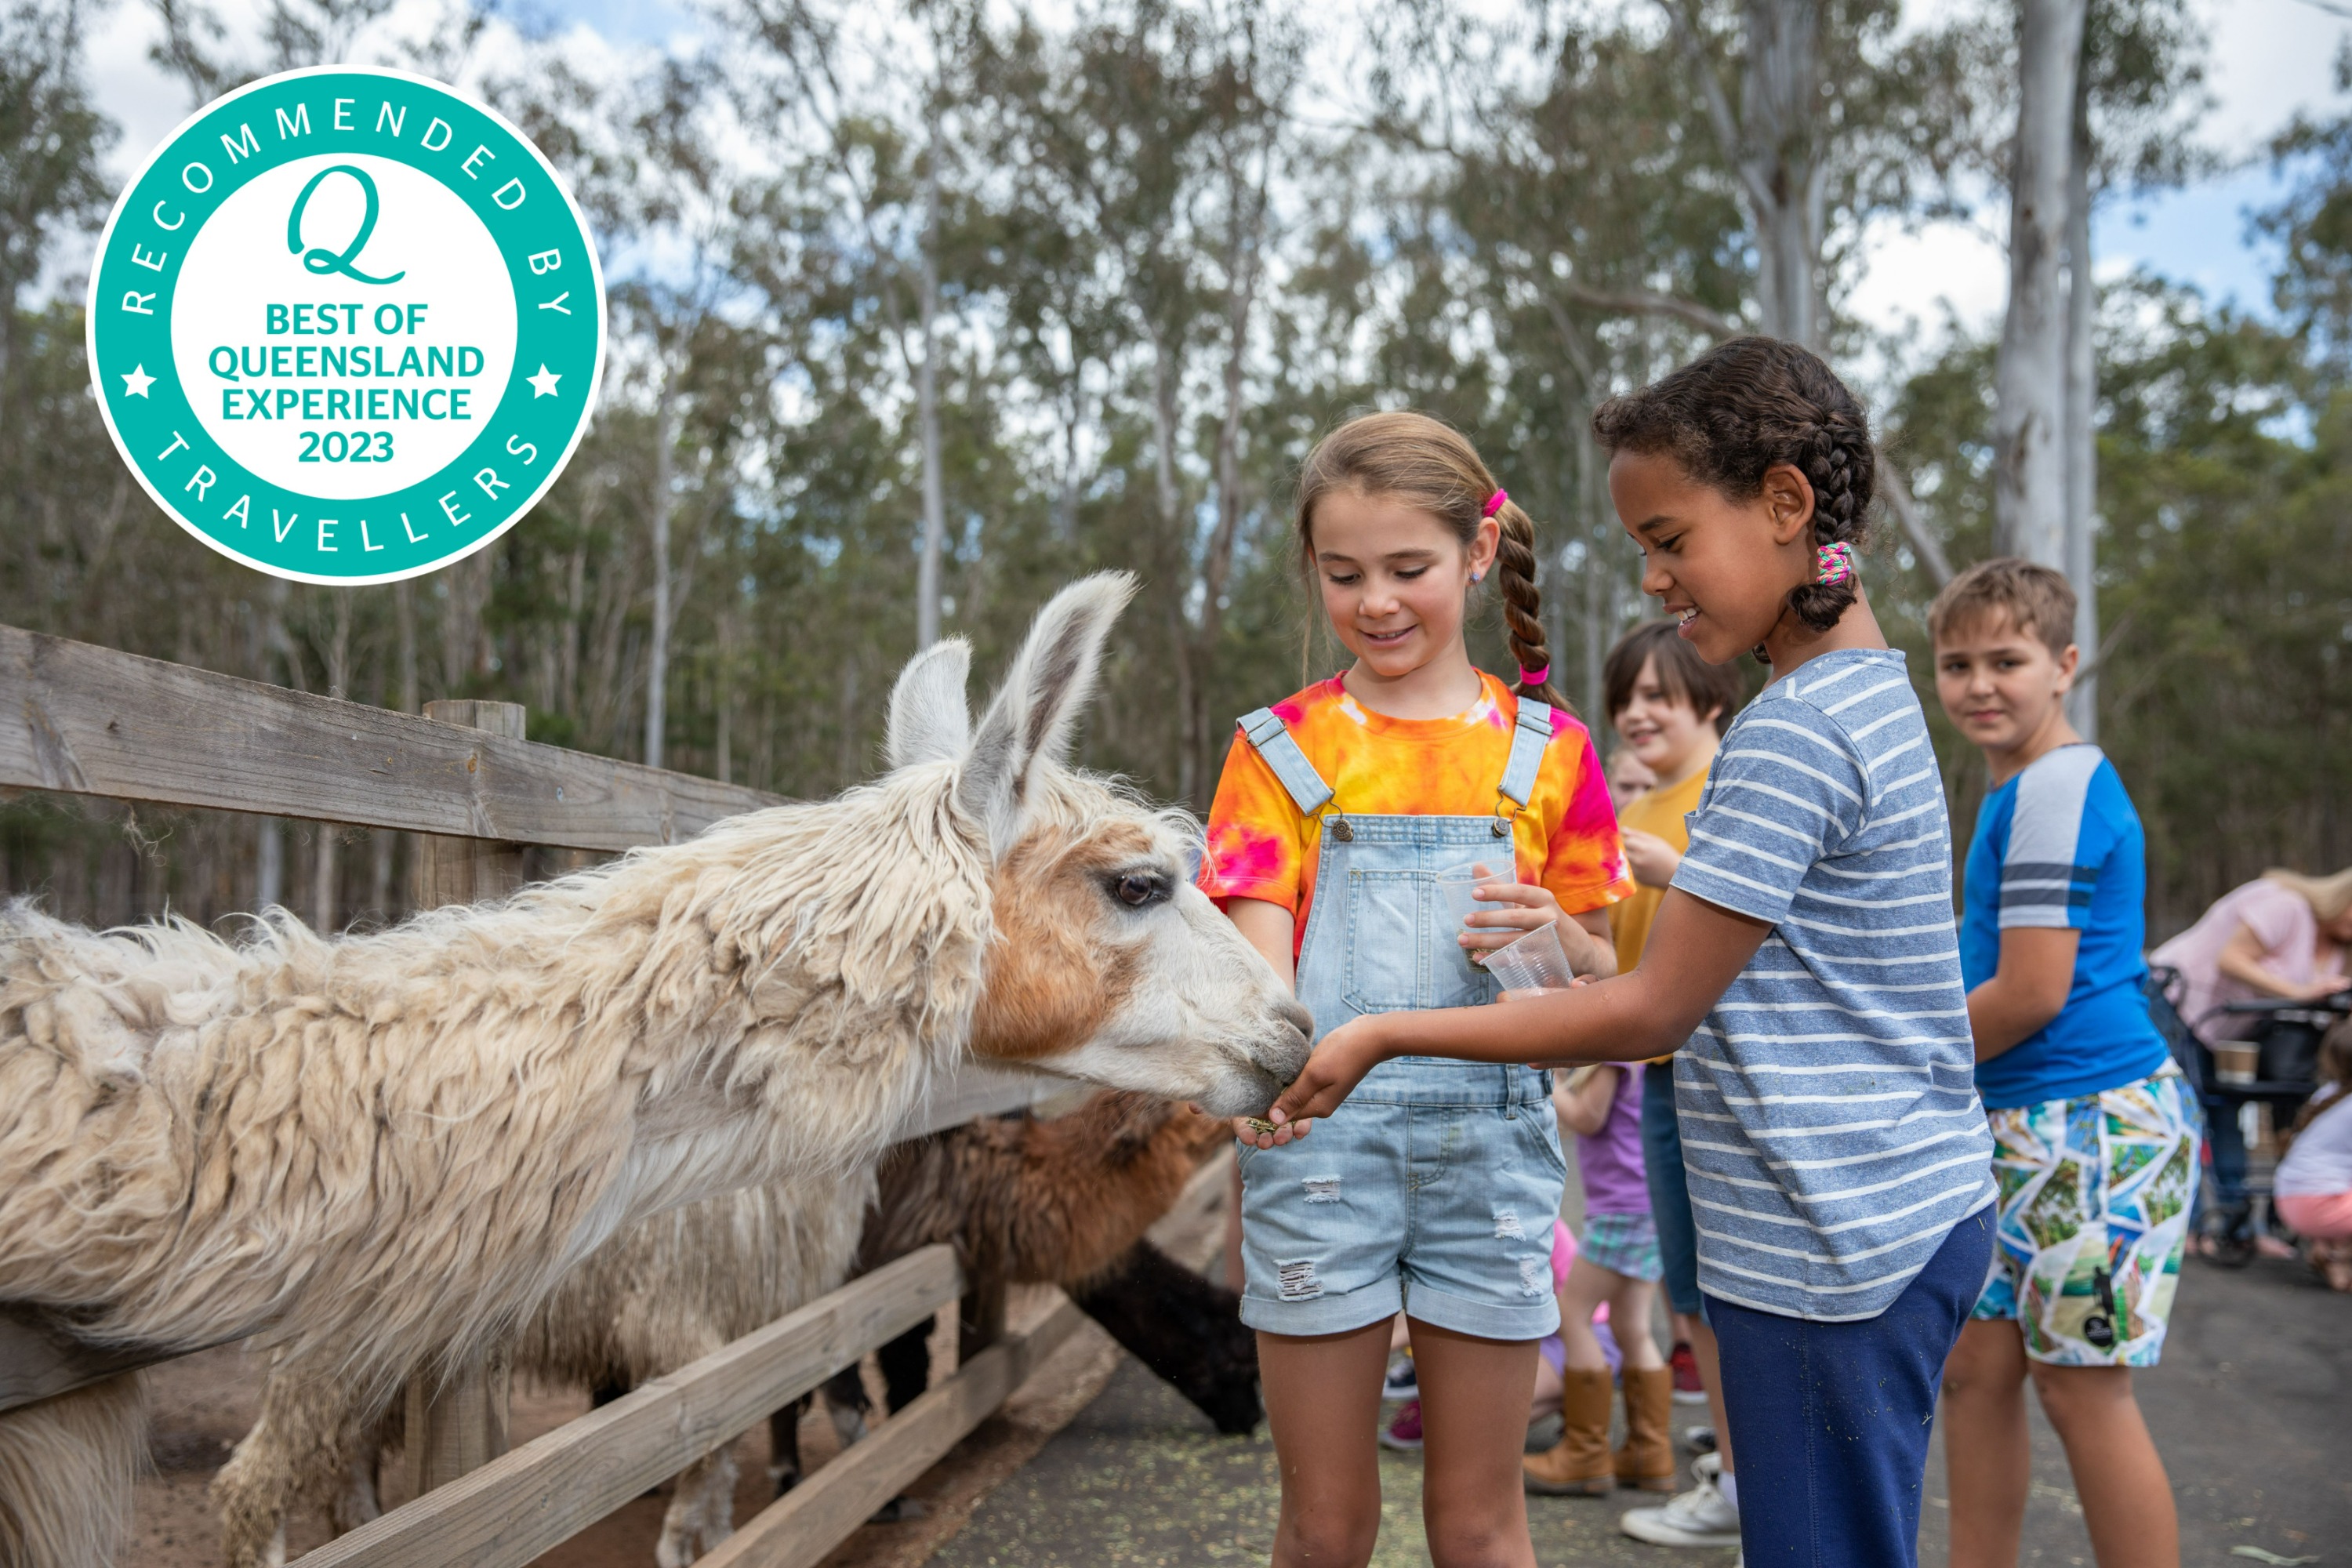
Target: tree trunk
{"x": 1588, "y": 522}
{"x": 325, "y": 865}
{"x": 1778, "y": 99}
{"x": 1165, "y": 376}
{"x": 2030, "y": 471}
{"x": 1204, "y": 733}
{"x": 725, "y": 696}
{"x": 1770, "y": 149}
{"x": 2081, "y": 433}
{"x": 926, "y": 398}
{"x": 657, "y": 653}
{"x": 404, "y": 615}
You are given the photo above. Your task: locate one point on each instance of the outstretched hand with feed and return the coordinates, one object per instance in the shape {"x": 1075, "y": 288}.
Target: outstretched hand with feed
{"x": 1339, "y": 1063}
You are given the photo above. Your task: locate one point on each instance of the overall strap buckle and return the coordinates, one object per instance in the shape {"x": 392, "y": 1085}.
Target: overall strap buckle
{"x": 1530, "y": 736}
{"x": 1272, "y": 739}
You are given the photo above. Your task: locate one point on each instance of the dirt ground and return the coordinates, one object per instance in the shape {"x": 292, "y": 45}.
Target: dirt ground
{"x": 2251, "y": 1410}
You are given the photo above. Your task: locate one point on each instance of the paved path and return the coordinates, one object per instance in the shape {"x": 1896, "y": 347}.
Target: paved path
{"x": 2252, "y": 1410}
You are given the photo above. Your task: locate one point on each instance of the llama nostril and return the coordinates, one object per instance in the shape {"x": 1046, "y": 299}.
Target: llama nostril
{"x": 1297, "y": 1016}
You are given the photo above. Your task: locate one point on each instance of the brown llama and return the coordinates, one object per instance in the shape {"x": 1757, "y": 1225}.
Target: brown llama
{"x": 372, "y": 1151}
{"x": 1023, "y": 1200}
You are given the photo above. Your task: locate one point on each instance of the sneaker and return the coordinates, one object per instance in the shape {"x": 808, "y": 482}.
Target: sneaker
{"x": 1699, "y": 1516}
{"x": 1403, "y": 1433}
{"x": 1687, "y": 1389}
{"x": 1699, "y": 1439}
{"x": 1402, "y": 1381}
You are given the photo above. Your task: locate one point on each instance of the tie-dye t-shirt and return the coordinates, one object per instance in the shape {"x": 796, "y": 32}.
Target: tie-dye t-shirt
{"x": 1260, "y": 846}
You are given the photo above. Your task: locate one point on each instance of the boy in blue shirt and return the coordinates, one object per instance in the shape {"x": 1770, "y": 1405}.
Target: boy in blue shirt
{"x": 2095, "y": 1137}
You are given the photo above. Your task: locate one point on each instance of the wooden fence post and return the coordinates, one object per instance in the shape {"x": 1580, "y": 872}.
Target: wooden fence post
{"x": 461, "y": 1425}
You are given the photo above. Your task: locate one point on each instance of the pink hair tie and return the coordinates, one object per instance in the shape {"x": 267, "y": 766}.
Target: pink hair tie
{"x": 1534, "y": 677}
{"x": 1833, "y": 563}
{"x": 1494, "y": 504}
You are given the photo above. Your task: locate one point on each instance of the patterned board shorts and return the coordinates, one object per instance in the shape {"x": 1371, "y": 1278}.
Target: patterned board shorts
{"x": 2094, "y": 1199}
{"x": 1625, "y": 1244}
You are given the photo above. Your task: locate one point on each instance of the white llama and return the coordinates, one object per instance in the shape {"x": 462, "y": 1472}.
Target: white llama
{"x": 371, "y": 1150}
{"x": 666, "y": 1291}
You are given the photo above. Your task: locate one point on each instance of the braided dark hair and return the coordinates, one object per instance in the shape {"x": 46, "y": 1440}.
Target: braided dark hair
{"x": 1749, "y": 405}
{"x": 1430, "y": 464}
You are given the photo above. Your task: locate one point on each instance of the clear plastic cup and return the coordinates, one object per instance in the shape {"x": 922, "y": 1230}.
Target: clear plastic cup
{"x": 1454, "y": 889}
{"x": 1536, "y": 961}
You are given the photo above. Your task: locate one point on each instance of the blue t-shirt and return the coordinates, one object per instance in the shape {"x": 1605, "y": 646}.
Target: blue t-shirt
{"x": 1831, "y": 1129}
{"x": 2059, "y": 845}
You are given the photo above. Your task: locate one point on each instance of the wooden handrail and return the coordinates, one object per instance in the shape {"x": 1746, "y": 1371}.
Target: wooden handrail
{"x": 800, "y": 1528}
{"x": 542, "y": 1494}
{"x": 83, "y": 720}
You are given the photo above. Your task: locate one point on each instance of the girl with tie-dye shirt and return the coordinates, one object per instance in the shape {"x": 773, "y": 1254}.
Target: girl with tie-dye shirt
{"x": 1433, "y": 1190}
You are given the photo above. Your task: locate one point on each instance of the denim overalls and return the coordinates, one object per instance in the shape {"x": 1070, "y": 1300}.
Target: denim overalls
{"x": 1434, "y": 1188}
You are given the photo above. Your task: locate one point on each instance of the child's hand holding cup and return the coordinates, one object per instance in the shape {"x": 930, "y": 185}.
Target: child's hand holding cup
{"x": 1486, "y": 906}
{"x": 1532, "y": 965}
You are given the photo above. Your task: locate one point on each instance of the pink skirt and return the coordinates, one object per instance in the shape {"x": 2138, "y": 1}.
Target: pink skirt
{"x": 2323, "y": 1217}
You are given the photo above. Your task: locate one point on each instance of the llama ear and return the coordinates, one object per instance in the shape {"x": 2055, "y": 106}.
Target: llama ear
{"x": 929, "y": 722}
{"x": 1030, "y": 721}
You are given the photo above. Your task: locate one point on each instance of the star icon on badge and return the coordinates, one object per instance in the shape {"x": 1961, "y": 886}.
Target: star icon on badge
{"x": 136, "y": 382}
{"x": 543, "y": 383}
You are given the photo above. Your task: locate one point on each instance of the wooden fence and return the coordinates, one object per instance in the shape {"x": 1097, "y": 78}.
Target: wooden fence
{"x": 81, "y": 720}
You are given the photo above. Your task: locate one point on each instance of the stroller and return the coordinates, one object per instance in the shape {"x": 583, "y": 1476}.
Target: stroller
{"x": 2287, "y": 1043}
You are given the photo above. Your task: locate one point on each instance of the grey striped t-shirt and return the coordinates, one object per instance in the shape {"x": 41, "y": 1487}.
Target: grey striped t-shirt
{"x": 1831, "y": 1128}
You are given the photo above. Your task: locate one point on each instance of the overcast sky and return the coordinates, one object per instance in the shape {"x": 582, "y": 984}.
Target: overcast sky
{"x": 2271, "y": 59}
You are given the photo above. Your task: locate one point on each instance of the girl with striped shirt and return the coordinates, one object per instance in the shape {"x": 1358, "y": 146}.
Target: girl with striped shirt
{"x": 1803, "y": 968}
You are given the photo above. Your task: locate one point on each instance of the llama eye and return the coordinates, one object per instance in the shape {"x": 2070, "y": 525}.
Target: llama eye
{"x": 1137, "y": 891}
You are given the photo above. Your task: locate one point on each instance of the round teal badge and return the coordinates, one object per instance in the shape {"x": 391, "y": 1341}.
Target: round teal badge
{"x": 346, "y": 326}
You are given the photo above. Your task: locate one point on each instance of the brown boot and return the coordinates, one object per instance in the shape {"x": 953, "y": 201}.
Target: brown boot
{"x": 1647, "y": 1460}
{"x": 1578, "y": 1465}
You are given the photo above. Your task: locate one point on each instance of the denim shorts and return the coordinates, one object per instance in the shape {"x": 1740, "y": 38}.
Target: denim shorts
{"x": 1431, "y": 1191}
{"x": 1662, "y": 1155}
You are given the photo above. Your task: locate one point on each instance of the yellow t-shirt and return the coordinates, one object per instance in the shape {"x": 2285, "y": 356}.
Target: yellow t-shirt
{"x": 1661, "y": 812}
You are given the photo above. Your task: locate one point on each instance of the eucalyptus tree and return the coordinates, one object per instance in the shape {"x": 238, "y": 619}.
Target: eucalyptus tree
{"x": 2029, "y": 483}
{"x": 1566, "y": 197}
{"x": 2124, "y": 121}
{"x": 1147, "y": 147}
{"x": 880, "y": 93}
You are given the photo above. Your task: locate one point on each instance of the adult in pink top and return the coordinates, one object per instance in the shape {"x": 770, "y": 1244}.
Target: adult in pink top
{"x": 2280, "y": 935}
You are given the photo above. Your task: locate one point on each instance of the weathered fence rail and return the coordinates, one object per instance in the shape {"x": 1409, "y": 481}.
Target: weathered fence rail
{"x": 81, "y": 720}
{"x": 519, "y": 1505}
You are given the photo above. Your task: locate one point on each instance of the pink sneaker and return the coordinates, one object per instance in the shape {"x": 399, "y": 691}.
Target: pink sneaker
{"x": 1403, "y": 1433}
{"x": 1687, "y": 1388}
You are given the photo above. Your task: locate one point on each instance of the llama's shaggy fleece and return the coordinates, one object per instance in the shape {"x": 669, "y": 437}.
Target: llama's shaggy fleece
{"x": 377, "y": 1150}
{"x": 665, "y": 1292}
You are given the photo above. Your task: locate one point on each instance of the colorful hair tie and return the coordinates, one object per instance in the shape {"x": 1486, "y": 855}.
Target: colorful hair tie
{"x": 1833, "y": 563}
{"x": 1494, "y": 504}
{"x": 1534, "y": 677}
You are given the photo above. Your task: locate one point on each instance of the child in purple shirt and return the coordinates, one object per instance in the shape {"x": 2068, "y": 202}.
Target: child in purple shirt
{"x": 1618, "y": 1264}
